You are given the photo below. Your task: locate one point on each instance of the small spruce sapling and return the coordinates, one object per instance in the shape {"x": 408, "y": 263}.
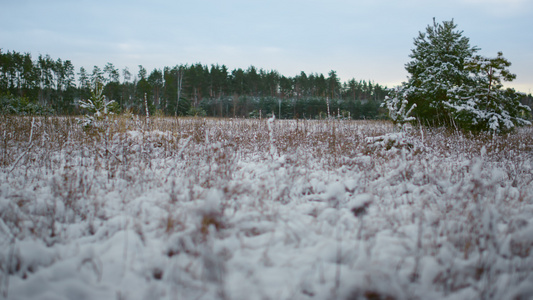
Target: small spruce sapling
{"x": 97, "y": 106}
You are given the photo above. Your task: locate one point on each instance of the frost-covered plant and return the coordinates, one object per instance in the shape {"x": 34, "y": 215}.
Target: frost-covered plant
{"x": 97, "y": 105}
{"x": 270, "y": 124}
{"x": 397, "y": 107}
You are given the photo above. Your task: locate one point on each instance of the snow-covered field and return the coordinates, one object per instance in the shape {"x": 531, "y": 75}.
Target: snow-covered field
{"x": 249, "y": 209}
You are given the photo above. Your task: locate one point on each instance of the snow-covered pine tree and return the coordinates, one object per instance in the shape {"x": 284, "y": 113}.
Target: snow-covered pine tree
{"x": 484, "y": 105}
{"x": 437, "y": 67}
{"x": 97, "y": 106}
{"x": 451, "y": 85}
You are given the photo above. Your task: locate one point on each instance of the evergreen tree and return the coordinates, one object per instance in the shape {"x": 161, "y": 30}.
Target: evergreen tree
{"x": 333, "y": 85}
{"x": 437, "y": 67}
{"x": 128, "y": 89}
{"x": 301, "y": 86}
{"x": 97, "y": 106}
{"x": 484, "y": 105}
{"x": 84, "y": 83}
{"x": 237, "y": 82}
{"x": 111, "y": 72}
{"x": 97, "y": 76}
{"x": 155, "y": 80}
{"x": 46, "y": 79}
{"x": 142, "y": 90}
{"x": 252, "y": 80}
{"x": 112, "y": 89}
{"x": 452, "y": 86}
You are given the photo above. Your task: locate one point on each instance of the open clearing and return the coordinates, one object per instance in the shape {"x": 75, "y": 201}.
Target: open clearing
{"x": 252, "y": 209}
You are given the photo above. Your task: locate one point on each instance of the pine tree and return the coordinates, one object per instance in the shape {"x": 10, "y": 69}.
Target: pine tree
{"x": 484, "y": 105}
{"x": 437, "y": 66}
{"x": 452, "y": 86}
{"x": 97, "y": 106}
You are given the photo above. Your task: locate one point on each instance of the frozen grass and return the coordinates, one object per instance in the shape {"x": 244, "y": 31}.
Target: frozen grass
{"x": 219, "y": 209}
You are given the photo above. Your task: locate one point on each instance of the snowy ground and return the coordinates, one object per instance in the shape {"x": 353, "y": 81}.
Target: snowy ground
{"x": 247, "y": 209}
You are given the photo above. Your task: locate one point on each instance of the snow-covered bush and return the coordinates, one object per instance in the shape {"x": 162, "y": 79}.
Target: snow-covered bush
{"x": 389, "y": 141}
{"x": 396, "y": 104}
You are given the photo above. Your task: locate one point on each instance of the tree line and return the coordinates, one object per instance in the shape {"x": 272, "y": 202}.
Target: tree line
{"x": 195, "y": 89}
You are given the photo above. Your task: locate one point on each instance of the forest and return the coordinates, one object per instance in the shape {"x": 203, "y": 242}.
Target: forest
{"x": 54, "y": 86}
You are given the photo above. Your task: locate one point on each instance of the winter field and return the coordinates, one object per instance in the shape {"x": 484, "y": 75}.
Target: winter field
{"x": 257, "y": 209}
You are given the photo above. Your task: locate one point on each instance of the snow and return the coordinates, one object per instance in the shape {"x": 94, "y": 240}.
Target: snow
{"x": 240, "y": 209}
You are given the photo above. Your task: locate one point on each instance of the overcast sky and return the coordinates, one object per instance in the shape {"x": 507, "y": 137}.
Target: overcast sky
{"x": 368, "y": 39}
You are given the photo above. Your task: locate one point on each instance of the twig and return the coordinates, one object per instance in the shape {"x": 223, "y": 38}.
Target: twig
{"x": 20, "y": 157}
{"x": 31, "y": 130}
{"x": 147, "y": 111}
{"x": 179, "y": 155}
